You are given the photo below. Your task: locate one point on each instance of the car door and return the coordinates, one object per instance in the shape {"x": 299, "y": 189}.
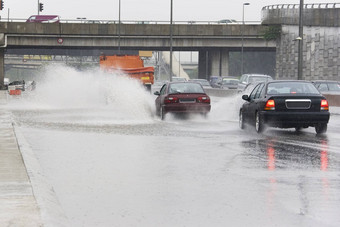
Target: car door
{"x": 248, "y": 106}
{"x": 160, "y": 99}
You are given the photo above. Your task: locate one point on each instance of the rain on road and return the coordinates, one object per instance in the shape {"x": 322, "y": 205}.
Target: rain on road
{"x": 112, "y": 162}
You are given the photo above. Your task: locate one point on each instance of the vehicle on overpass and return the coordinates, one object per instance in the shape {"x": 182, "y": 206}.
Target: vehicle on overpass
{"x": 130, "y": 65}
{"x": 182, "y": 97}
{"x": 44, "y": 19}
{"x": 285, "y": 104}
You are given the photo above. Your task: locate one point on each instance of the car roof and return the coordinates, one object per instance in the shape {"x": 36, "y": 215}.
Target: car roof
{"x": 285, "y": 81}
{"x": 258, "y": 75}
{"x": 325, "y": 81}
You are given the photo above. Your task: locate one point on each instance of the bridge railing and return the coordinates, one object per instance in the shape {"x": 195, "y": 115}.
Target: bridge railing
{"x": 308, "y": 6}
{"x": 88, "y": 21}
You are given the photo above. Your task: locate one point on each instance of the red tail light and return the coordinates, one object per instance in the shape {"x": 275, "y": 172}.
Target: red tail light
{"x": 203, "y": 99}
{"x": 270, "y": 105}
{"x": 324, "y": 104}
{"x": 170, "y": 99}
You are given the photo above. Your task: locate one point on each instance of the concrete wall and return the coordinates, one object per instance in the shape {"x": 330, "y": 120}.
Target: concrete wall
{"x": 321, "y": 53}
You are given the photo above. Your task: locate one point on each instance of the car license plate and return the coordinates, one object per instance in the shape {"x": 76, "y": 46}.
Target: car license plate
{"x": 187, "y": 100}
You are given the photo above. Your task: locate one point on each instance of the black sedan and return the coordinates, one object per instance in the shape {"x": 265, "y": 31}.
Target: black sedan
{"x": 182, "y": 97}
{"x": 285, "y": 104}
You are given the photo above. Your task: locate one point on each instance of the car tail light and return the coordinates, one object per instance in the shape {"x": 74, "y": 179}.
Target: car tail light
{"x": 203, "y": 99}
{"x": 270, "y": 105}
{"x": 324, "y": 104}
{"x": 170, "y": 99}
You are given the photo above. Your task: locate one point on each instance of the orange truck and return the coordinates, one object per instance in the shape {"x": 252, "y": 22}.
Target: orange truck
{"x": 130, "y": 65}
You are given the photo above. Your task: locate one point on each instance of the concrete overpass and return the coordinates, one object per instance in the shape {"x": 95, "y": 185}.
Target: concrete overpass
{"x": 213, "y": 41}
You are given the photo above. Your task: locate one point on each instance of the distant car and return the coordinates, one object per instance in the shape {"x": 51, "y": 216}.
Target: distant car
{"x": 252, "y": 78}
{"x": 285, "y": 104}
{"x": 327, "y": 86}
{"x": 17, "y": 85}
{"x": 44, "y": 19}
{"x": 182, "y": 97}
{"x": 227, "y": 21}
{"x": 229, "y": 83}
{"x": 205, "y": 83}
{"x": 178, "y": 79}
{"x": 214, "y": 80}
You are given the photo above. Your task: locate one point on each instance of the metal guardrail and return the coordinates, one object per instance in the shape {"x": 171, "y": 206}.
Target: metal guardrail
{"x": 88, "y": 21}
{"x": 307, "y": 6}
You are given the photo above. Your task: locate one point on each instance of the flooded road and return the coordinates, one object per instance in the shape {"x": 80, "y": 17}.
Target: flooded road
{"x": 111, "y": 162}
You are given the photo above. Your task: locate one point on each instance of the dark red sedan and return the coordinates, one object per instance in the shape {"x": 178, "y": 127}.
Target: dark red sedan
{"x": 182, "y": 97}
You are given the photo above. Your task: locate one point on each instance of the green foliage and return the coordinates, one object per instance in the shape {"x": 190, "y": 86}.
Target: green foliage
{"x": 272, "y": 32}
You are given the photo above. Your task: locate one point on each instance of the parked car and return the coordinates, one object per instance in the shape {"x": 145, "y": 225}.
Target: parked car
{"x": 229, "y": 83}
{"x": 205, "y": 83}
{"x": 252, "y": 78}
{"x": 182, "y": 97}
{"x": 44, "y": 19}
{"x": 214, "y": 80}
{"x": 327, "y": 86}
{"x": 178, "y": 79}
{"x": 285, "y": 104}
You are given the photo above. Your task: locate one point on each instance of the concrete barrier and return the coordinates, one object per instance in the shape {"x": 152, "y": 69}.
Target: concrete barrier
{"x": 333, "y": 99}
{"x": 220, "y": 92}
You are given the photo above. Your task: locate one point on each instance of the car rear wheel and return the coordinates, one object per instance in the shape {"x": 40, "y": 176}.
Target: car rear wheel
{"x": 259, "y": 124}
{"x": 241, "y": 120}
{"x": 321, "y": 128}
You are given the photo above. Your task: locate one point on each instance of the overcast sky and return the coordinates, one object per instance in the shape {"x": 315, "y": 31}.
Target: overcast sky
{"x": 159, "y": 10}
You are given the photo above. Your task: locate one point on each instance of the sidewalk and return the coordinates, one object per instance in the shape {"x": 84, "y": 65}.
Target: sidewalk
{"x": 26, "y": 198}
{"x": 18, "y": 206}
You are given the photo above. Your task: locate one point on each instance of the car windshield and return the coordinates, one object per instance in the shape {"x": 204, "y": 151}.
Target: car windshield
{"x": 291, "y": 88}
{"x": 185, "y": 88}
{"x": 253, "y": 79}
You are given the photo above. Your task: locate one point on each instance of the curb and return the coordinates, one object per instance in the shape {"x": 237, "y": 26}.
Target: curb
{"x": 51, "y": 211}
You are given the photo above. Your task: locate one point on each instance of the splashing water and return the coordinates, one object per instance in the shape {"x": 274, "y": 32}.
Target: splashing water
{"x": 101, "y": 97}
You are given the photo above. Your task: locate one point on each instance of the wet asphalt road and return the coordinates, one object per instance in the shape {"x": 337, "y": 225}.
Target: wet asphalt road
{"x": 109, "y": 171}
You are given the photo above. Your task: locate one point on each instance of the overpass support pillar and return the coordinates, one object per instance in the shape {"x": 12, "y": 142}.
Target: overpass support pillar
{"x": 213, "y": 63}
{"x": 2, "y": 68}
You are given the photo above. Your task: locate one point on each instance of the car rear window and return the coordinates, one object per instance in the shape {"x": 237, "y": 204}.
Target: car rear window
{"x": 291, "y": 88}
{"x": 185, "y": 88}
{"x": 253, "y": 79}
{"x": 230, "y": 81}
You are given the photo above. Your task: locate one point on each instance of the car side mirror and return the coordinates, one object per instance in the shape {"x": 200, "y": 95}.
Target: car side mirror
{"x": 157, "y": 93}
{"x": 245, "y": 97}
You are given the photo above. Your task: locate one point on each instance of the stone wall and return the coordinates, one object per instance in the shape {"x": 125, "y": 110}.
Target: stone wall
{"x": 321, "y": 53}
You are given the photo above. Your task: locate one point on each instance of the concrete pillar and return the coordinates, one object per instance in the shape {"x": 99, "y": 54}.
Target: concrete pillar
{"x": 2, "y": 68}
{"x": 213, "y": 63}
{"x": 203, "y": 67}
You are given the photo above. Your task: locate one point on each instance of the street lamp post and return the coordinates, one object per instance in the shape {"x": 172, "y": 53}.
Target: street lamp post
{"x": 300, "y": 44}
{"x": 171, "y": 40}
{"x": 244, "y": 4}
{"x": 119, "y": 29}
